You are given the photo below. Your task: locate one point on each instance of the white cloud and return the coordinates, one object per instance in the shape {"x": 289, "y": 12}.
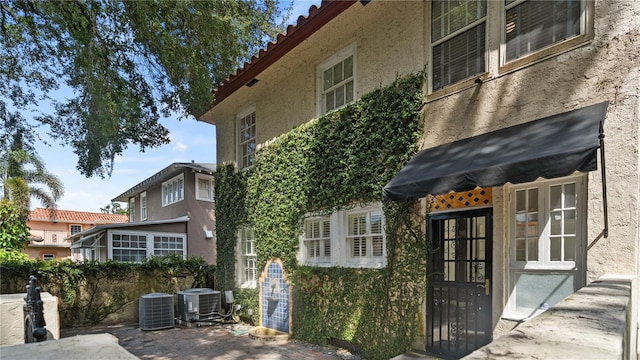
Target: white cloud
{"x": 179, "y": 146}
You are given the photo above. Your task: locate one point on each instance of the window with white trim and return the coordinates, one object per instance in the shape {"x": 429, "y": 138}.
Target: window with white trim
{"x": 135, "y": 246}
{"x": 168, "y": 245}
{"x": 132, "y": 209}
{"x": 47, "y": 257}
{"x": 128, "y": 247}
{"x": 546, "y": 225}
{"x": 458, "y": 41}
{"x": 351, "y": 238}
{"x": 74, "y": 229}
{"x": 173, "y": 190}
{"x": 336, "y": 78}
{"x": 247, "y": 258}
{"x": 204, "y": 187}
{"x": 247, "y": 138}
{"x": 143, "y": 205}
{"x": 533, "y": 25}
{"x": 317, "y": 240}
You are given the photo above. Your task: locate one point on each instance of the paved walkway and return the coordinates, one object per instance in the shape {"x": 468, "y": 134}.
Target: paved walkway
{"x": 227, "y": 342}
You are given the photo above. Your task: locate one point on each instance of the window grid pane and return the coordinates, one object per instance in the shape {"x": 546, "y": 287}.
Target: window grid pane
{"x": 248, "y": 139}
{"x": 459, "y": 58}
{"x": 338, "y": 85}
{"x": 129, "y": 247}
{"x": 533, "y": 25}
{"x": 318, "y": 239}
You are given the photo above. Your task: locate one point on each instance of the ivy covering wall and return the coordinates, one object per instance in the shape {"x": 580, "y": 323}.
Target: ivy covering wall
{"x": 341, "y": 160}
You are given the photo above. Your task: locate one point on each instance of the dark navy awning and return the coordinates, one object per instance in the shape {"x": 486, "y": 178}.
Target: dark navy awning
{"x": 550, "y": 147}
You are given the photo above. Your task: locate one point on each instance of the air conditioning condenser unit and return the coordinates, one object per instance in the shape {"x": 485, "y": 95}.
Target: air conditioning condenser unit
{"x": 156, "y": 311}
{"x": 198, "y": 304}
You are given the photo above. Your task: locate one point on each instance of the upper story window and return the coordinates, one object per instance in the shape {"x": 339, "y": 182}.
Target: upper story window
{"x": 458, "y": 37}
{"x": 204, "y": 187}
{"x": 354, "y": 238}
{"x": 132, "y": 209}
{"x": 143, "y": 206}
{"x": 173, "y": 190}
{"x": 529, "y": 31}
{"x": 74, "y": 229}
{"x": 534, "y": 25}
{"x": 337, "y": 80}
{"x": 247, "y": 138}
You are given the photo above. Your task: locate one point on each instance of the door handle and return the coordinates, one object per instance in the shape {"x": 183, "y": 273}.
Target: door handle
{"x": 486, "y": 286}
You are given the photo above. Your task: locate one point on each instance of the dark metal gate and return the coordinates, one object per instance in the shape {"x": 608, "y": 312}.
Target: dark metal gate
{"x": 459, "y": 278}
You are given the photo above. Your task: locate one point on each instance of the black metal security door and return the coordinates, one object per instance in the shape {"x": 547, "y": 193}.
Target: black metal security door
{"x": 459, "y": 278}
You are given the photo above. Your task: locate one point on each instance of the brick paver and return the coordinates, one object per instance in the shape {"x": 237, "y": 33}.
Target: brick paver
{"x": 208, "y": 342}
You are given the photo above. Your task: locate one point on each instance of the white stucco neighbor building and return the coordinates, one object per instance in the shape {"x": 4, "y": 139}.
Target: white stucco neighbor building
{"x": 530, "y": 163}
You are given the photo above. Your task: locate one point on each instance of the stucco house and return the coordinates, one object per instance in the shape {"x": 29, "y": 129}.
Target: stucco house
{"x": 518, "y": 204}
{"x": 171, "y": 212}
{"x": 50, "y": 230}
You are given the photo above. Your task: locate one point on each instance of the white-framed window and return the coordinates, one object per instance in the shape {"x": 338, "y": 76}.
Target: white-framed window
{"x": 247, "y": 138}
{"x": 316, "y": 243}
{"x": 173, "y": 190}
{"x": 128, "y": 247}
{"x": 546, "y": 230}
{"x": 74, "y": 229}
{"x": 135, "y": 246}
{"x": 352, "y": 238}
{"x": 168, "y": 245}
{"x": 531, "y": 26}
{"x": 528, "y": 30}
{"x": 143, "y": 206}
{"x": 336, "y": 80}
{"x": 132, "y": 209}
{"x": 247, "y": 268}
{"x": 365, "y": 237}
{"x": 204, "y": 187}
{"x": 47, "y": 257}
{"x": 458, "y": 41}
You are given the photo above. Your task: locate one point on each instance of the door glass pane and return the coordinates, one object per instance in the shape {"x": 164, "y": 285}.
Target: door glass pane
{"x": 533, "y": 200}
{"x": 532, "y": 248}
{"x": 521, "y": 201}
{"x": 521, "y": 252}
{"x": 556, "y": 222}
{"x": 570, "y": 248}
{"x": 556, "y": 249}
{"x": 532, "y": 225}
{"x": 569, "y": 195}
{"x": 555, "y": 197}
{"x": 570, "y": 222}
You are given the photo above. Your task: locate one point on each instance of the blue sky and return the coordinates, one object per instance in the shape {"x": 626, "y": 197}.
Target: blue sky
{"x": 190, "y": 140}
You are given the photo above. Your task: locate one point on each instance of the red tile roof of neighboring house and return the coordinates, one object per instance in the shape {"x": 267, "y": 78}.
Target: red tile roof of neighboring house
{"x": 295, "y": 34}
{"x": 80, "y": 217}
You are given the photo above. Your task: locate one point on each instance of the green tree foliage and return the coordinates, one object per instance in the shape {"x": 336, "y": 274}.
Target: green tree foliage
{"x": 18, "y": 163}
{"x": 13, "y": 217}
{"x": 126, "y": 63}
{"x": 114, "y": 208}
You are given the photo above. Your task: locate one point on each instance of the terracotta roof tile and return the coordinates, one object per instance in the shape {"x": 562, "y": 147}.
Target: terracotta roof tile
{"x": 80, "y": 217}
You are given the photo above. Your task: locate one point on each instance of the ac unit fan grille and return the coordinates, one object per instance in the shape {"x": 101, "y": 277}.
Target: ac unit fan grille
{"x": 156, "y": 311}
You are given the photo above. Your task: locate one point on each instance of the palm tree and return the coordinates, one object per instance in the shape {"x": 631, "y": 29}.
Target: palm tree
{"x": 19, "y": 163}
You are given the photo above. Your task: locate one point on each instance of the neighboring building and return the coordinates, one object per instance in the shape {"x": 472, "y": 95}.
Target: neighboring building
{"x": 50, "y": 230}
{"x": 515, "y": 95}
{"x": 171, "y": 212}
